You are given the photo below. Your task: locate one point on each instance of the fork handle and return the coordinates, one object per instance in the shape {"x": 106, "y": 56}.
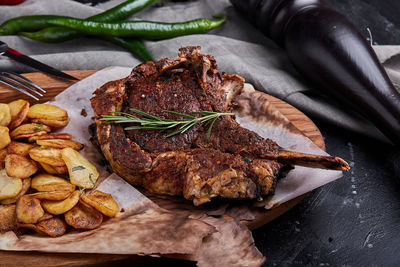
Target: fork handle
{"x": 3, "y": 47}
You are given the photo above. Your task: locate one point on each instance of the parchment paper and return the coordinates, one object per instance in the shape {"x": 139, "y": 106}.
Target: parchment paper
{"x": 177, "y": 227}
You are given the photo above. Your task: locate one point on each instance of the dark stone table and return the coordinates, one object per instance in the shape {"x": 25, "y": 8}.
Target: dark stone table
{"x": 354, "y": 221}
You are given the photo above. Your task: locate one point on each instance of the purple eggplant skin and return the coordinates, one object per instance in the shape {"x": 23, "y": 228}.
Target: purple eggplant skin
{"x": 331, "y": 53}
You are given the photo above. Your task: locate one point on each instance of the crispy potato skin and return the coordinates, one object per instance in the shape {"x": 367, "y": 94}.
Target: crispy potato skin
{"x": 102, "y": 202}
{"x": 45, "y": 182}
{"x": 28, "y": 210}
{"x": 8, "y": 219}
{"x": 59, "y": 143}
{"x": 18, "y": 110}
{"x": 20, "y": 166}
{"x": 61, "y": 206}
{"x": 53, "y": 227}
{"x": 50, "y": 136}
{"x": 19, "y": 148}
{"x": 9, "y": 186}
{"x": 26, "y": 184}
{"x": 4, "y": 137}
{"x": 5, "y": 114}
{"x": 83, "y": 216}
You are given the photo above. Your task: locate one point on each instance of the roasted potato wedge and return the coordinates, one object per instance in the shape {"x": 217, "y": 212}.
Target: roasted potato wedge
{"x": 50, "y": 136}
{"x": 44, "y": 182}
{"x": 52, "y": 123}
{"x": 50, "y": 156}
{"x": 46, "y": 216}
{"x": 3, "y": 154}
{"x": 18, "y": 110}
{"x": 48, "y": 168}
{"x": 20, "y": 166}
{"x": 5, "y": 115}
{"x": 54, "y": 169}
{"x": 19, "y": 148}
{"x": 23, "y": 136}
{"x": 52, "y": 195}
{"x": 53, "y": 227}
{"x": 60, "y": 143}
{"x": 28, "y": 210}
{"x": 48, "y": 112}
{"x": 9, "y": 186}
{"x": 102, "y": 202}
{"x": 83, "y": 216}
{"x": 28, "y": 129}
{"x": 82, "y": 173}
{"x": 26, "y": 184}
{"x": 4, "y": 137}
{"x": 61, "y": 206}
{"x": 8, "y": 220}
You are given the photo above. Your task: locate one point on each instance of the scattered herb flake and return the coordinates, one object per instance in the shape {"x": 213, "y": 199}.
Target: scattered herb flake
{"x": 82, "y": 191}
{"x": 78, "y": 168}
{"x": 65, "y": 176}
{"x": 90, "y": 177}
{"x": 37, "y": 128}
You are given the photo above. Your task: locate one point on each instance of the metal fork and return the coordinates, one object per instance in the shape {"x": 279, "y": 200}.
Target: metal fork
{"x": 19, "y": 82}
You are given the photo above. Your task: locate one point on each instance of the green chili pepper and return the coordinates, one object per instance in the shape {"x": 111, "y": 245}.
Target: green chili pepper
{"x": 24, "y": 23}
{"x": 61, "y": 34}
{"x": 141, "y": 29}
{"x": 39, "y": 22}
{"x": 133, "y": 45}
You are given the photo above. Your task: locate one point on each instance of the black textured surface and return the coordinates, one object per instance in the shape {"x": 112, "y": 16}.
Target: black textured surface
{"x": 354, "y": 221}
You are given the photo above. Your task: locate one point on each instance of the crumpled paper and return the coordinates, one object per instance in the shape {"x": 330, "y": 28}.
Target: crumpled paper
{"x": 158, "y": 225}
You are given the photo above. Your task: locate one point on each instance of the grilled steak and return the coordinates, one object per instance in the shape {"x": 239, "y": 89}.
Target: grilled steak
{"x": 233, "y": 163}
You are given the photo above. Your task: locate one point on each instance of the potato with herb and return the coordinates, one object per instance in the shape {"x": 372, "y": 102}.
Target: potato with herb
{"x": 61, "y": 206}
{"x": 82, "y": 173}
{"x": 5, "y": 115}
{"x": 44, "y": 182}
{"x": 18, "y": 110}
{"x": 102, "y": 202}
{"x": 28, "y": 130}
{"x": 4, "y": 137}
{"x": 20, "y": 166}
{"x": 28, "y": 210}
{"x": 9, "y": 186}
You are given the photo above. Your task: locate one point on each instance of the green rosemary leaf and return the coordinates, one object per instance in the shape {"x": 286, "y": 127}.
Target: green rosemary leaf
{"x": 78, "y": 168}
{"x": 152, "y": 122}
{"x": 180, "y": 114}
{"x": 37, "y": 128}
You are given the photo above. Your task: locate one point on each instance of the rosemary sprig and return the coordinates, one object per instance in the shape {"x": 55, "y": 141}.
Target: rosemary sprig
{"x": 151, "y": 122}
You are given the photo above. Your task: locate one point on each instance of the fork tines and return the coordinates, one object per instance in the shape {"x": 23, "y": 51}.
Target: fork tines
{"x": 19, "y": 82}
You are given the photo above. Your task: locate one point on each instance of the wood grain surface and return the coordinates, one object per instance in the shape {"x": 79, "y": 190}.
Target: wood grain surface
{"x": 54, "y": 86}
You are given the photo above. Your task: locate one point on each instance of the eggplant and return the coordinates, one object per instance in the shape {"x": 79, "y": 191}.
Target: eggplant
{"x": 331, "y": 53}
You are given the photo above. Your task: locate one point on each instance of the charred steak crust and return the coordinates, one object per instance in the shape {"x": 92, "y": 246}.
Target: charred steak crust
{"x": 234, "y": 163}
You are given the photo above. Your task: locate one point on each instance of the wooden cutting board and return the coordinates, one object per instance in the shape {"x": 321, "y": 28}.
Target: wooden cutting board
{"x": 54, "y": 86}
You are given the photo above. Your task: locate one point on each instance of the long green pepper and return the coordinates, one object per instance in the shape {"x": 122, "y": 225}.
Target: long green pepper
{"x": 61, "y": 34}
{"x": 140, "y": 29}
{"x": 53, "y": 34}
